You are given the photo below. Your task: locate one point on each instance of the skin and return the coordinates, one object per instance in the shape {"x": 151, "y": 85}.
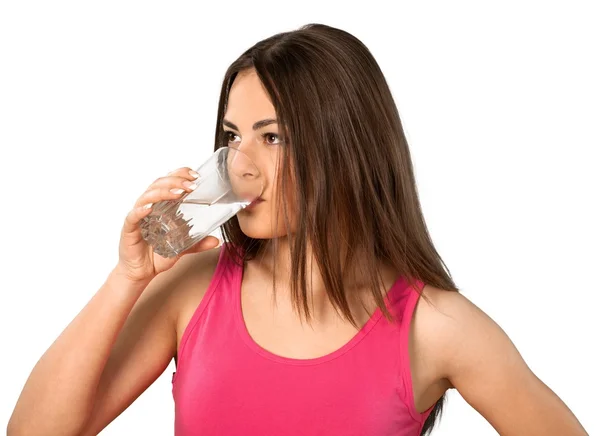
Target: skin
{"x": 127, "y": 335}
{"x": 453, "y": 343}
{"x": 248, "y": 103}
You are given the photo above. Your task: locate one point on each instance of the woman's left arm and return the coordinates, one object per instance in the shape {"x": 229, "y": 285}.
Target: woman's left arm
{"x": 478, "y": 359}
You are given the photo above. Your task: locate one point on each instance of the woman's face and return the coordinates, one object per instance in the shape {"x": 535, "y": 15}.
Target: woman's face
{"x": 250, "y": 125}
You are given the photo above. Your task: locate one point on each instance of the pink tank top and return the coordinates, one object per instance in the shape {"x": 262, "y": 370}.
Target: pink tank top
{"x": 226, "y": 384}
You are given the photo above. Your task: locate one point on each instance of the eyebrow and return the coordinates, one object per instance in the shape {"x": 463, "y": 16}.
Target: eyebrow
{"x": 255, "y": 126}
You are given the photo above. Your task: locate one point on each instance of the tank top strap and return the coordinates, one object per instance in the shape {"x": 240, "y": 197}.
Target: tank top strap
{"x": 225, "y": 277}
{"x": 402, "y": 293}
{"x": 222, "y": 283}
{"x": 405, "y": 298}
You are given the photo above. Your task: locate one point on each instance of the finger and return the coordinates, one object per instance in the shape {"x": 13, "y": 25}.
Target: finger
{"x": 186, "y": 172}
{"x": 134, "y": 217}
{"x": 161, "y": 194}
{"x": 207, "y": 243}
{"x": 173, "y": 181}
{"x": 204, "y": 244}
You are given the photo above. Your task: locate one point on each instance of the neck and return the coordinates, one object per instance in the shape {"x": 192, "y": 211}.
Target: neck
{"x": 354, "y": 276}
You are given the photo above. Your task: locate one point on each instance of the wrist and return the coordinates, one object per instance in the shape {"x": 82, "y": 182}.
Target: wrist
{"x": 122, "y": 280}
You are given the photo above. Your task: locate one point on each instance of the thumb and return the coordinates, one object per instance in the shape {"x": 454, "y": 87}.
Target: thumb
{"x": 204, "y": 244}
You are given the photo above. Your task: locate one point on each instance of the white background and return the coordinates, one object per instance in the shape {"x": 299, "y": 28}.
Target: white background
{"x": 500, "y": 103}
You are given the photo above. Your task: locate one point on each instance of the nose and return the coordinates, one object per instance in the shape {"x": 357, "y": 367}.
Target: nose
{"x": 244, "y": 174}
{"x": 240, "y": 164}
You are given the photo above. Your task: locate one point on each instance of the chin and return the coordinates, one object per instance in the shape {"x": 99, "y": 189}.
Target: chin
{"x": 254, "y": 227}
{"x": 258, "y": 227}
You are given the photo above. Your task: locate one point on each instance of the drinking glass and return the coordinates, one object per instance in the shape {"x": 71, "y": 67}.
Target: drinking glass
{"x": 228, "y": 182}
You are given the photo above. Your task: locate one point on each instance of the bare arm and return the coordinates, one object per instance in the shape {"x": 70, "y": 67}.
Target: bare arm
{"x": 122, "y": 340}
{"x": 116, "y": 347}
{"x": 478, "y": 358}
{"x": 60, "y": 391}
{"x": 148, "y": 341}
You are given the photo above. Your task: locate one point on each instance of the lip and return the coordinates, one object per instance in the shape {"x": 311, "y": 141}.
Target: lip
{"x": 254, "y": 203}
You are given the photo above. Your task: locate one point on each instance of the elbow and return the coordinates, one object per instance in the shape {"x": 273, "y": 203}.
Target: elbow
{"x": 14, "y": 428}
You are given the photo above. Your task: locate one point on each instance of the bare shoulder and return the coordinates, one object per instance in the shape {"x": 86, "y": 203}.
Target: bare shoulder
{"x": 435, "y": 309}
{"x": 191, "y": 272}
{"x": 195, "y": 274}
{"x": 447, "y": 325}
{"x": 461, "y": 344}
{"x": 442, "y": 309}
{"x": 186, "y": 277}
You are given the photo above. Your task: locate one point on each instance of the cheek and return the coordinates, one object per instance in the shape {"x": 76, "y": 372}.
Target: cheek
{"x": 290, "y": 213}
{"x": 267, "y": 220}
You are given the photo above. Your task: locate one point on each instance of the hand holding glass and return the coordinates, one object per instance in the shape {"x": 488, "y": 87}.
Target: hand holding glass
{"x": 229, "y": 181}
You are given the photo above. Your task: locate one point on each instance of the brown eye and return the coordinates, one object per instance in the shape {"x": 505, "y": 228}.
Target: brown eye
{"x": 272, "y": 138}
{"x": 229, "y": 136}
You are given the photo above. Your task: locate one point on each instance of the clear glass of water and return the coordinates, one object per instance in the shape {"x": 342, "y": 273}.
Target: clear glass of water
{"x": 229, "y": 181}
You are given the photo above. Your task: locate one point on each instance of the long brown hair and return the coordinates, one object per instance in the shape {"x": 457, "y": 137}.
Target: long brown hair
{"x": 353, "y": 182}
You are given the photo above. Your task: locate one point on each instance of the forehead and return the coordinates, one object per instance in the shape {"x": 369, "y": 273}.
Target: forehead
{"x": 248, "y": 99}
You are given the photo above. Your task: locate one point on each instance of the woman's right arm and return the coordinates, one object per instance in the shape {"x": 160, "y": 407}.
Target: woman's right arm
{"x": 61, "y": 391}
{"x": 120, "y": 342}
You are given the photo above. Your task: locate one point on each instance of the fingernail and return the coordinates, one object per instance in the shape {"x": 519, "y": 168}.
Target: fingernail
{"x": 190, "y": 185}
{"x": 147, "y": 206}
{"x": 176, "y": 190}
{"x": 194, "y": 174}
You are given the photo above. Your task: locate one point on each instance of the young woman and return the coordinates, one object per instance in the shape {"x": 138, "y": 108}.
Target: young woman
{"x": 326, "y": 311}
